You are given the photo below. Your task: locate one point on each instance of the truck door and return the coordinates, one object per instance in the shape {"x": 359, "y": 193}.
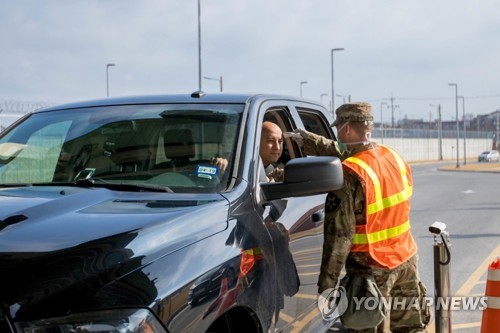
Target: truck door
{"x": 301, "y": 219}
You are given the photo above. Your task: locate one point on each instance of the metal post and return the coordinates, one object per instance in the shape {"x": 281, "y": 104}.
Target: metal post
{"x": 465, "y": 128}
{"x": 382, "y": 120}
{"x": 333, "y": 92}
{"x": 107, "y": 78}
{"x": 442, "y": 258}
{"x": 456, "y": 116}
{"x": 321, "y": 97}
{"x": 496, "y": 134}
{"x": 440, "y": 133}
{"x": 199, "y": 47}
{"x": 302, "y": 83}
{"x": 216, "y": 79}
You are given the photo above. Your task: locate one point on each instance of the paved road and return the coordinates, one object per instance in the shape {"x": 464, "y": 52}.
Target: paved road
{"x": 467, "y": 200}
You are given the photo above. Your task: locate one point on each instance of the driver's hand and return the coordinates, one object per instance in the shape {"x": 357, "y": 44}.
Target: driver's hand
{"x": 220, "y": 162}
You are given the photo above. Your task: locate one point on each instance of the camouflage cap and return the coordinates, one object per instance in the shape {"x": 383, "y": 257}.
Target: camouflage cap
{"x": 358, "y": 111}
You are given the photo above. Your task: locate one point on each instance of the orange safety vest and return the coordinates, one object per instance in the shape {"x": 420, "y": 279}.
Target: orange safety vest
{"x": 249, "y": 258}
{"x": 388, "y": 187}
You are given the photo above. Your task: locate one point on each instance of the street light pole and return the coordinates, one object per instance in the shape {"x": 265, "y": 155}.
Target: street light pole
{"x": 333, "y": 91}
{"x": 382, "y": 119}
{"x": 216, "y": 79}
{"x": 456, "y": 115}
{"x": 301, "y": 84}
{"x": 321, "y": 97}
{"x": 440, "y": 135}
{"x": 199, "y": 47}
{"x": 107, "y": 78}
{"x": 465, "y": 128}
{"x": 343, "y": 98}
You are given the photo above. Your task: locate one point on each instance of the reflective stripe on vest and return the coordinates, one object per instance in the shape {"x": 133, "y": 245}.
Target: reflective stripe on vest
{"x": 380, "y": 202}
{"x": 388, "y": 243}
{"x": 381, "y": 235}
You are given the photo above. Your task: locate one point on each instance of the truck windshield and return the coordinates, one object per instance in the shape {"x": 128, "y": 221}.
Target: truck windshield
{"x": 185, "y": 147}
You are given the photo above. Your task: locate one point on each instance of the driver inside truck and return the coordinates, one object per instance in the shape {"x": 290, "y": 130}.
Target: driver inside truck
{"x": 271, "y": 148}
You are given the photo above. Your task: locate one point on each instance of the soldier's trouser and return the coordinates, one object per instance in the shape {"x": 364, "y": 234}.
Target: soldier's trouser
{"x": 407, "y": 311}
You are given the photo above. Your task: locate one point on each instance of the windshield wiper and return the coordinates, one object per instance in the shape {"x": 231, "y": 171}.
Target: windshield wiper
{"x": 91, "y": 182}
{"x": 16, "y": 185}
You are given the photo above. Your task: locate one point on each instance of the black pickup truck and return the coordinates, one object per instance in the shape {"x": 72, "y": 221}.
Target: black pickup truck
{"x": 114, "y": 218}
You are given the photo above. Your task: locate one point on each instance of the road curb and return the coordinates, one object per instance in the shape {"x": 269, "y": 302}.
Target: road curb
{"x": 476, "y": 167}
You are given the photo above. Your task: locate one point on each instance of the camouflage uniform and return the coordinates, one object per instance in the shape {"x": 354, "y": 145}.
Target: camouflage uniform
{"x": 345, "y": 208}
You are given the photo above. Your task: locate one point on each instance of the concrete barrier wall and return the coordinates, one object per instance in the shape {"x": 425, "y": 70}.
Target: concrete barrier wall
{"x": 417, "y": 150}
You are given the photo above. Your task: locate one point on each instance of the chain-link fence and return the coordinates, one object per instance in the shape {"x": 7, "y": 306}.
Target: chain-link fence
{"x": 428, "y": 133}
{"x": 432, "y": 145}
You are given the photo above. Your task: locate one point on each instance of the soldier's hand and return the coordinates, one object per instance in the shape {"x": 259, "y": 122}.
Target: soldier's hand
{"x": 326, "y": 282}
{"x": 303, "y": 135}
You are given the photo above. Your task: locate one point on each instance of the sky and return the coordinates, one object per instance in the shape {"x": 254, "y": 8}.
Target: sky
{"x": 399, "y": 52}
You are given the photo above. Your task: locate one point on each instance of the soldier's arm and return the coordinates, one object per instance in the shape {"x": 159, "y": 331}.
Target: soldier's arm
{"x": 339, "y": 231}
{"x": 320, "y": 146}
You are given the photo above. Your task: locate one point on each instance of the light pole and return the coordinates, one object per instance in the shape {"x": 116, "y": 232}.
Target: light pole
{"x": 301, "y": 84}
{"x": 199, "y": 47}
{"x": 333, "y": 90}
{"x": 321, "y": 97}
{"x": 382, "y": 119}
{"x": 392, "y": 110}
{"x": 465, "y": 128}
{"x": 496, "y": 134}
{"x": 344, "y": 98}
{"x": 216, "y": 79}
{"x": 107, "y": 78}
{"x": 439, "y": 129}
{"x": 456, "y": 115}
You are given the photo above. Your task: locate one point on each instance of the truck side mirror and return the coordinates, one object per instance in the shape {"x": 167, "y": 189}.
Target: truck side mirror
{"x": 307, "y": 176}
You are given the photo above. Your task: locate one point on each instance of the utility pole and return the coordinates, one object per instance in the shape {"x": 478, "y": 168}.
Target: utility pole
{"x": 392, "y": 111}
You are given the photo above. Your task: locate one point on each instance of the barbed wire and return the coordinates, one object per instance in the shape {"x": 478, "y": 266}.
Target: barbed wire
{"x": 21, "y": 107}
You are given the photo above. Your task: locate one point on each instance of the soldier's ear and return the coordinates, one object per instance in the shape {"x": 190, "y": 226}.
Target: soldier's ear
{"x": 348, "y": 129}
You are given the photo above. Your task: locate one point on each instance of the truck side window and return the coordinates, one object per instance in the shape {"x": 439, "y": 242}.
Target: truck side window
{"x": 315, "y": 122}
{"x": 281, "y": 117}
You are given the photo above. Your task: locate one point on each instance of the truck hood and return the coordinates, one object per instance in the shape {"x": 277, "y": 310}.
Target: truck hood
{"x": 47, "y": 219}
{"x": 63, "y": 236}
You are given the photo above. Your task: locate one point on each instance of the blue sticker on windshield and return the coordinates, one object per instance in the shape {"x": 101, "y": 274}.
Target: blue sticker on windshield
{"x": 206, "y": 171}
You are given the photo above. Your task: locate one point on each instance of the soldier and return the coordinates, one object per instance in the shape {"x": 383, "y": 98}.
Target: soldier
{"x": 367, "y": 225}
